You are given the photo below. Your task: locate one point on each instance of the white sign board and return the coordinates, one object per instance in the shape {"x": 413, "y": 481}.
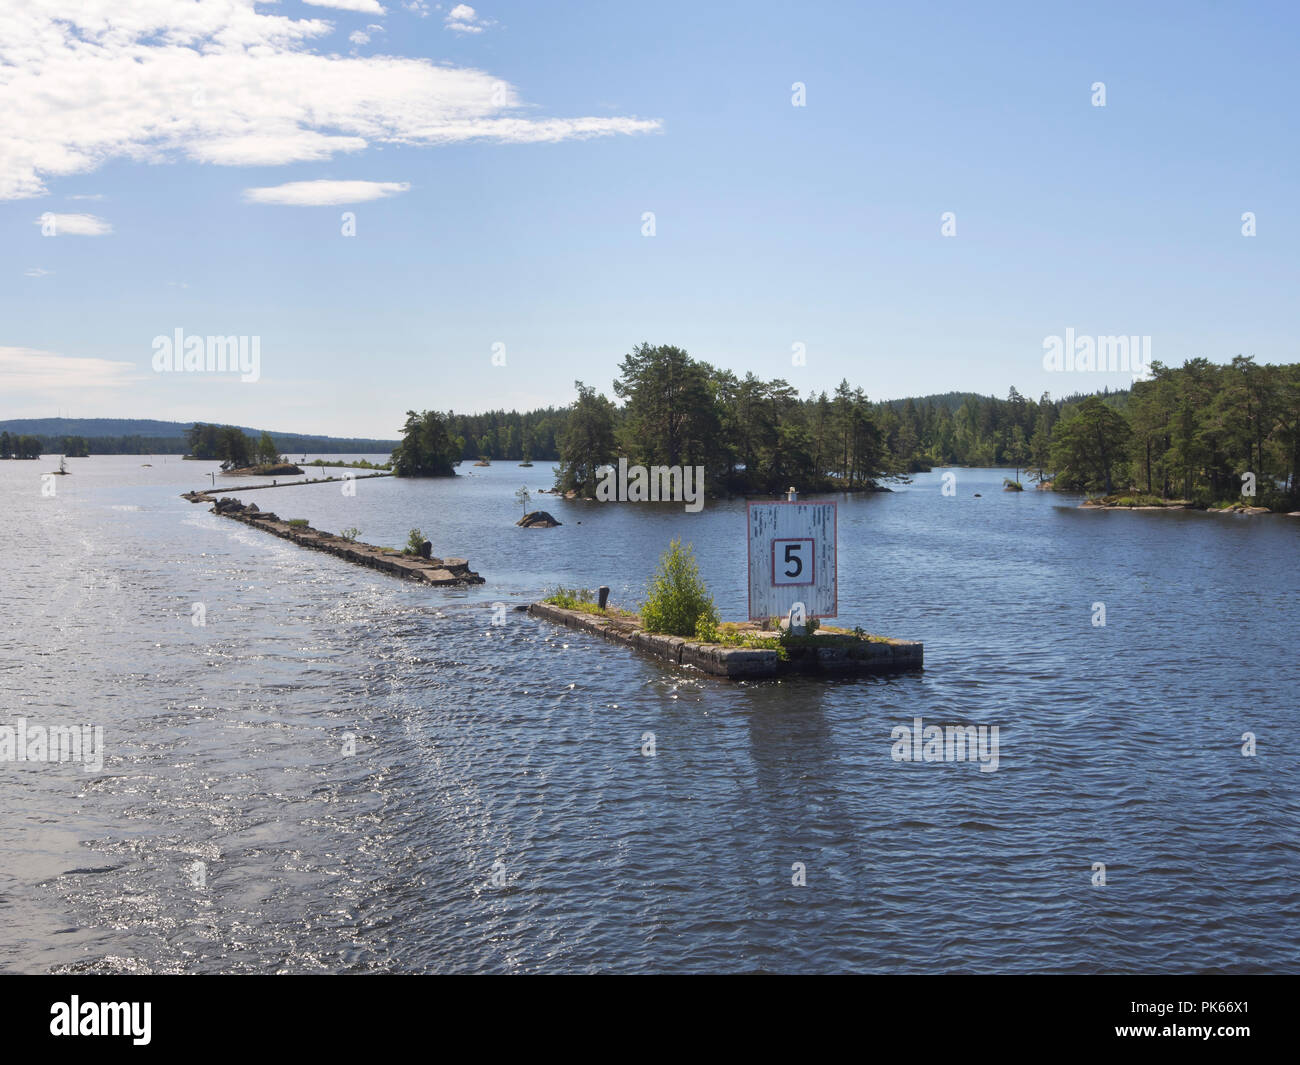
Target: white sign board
{"x": 792, "y": 559}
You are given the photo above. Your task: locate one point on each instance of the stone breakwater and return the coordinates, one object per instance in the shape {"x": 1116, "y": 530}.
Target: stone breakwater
{"x": 439, "y": 572}
{"x": 208, "y": 495}
{"x": 825, "y": 652}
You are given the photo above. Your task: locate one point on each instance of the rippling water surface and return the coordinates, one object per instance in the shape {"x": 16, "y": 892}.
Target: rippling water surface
{"x": 520, "y": 744}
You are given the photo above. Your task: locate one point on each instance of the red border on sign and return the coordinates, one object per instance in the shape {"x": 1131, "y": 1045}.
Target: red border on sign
{"x": 835, "y": 511}
{"x": 812, "y": 552}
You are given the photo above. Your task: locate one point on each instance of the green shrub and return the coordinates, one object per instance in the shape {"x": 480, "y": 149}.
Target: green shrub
{"x": 350, "y": 535}
{"x": 677, "y": 598}
{"x": 706, "y": 629}
{"x": 298, "y": 523}
{"x": 573, "y": 598}
{"x": 414, "y": 542}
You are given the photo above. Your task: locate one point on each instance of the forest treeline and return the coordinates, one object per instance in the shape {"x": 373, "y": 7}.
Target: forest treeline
{"x": 78, "y": 437}
{"x": 1188, "y": 432}
{"x": 229, "y": 444}
{"x": 17, "y": 446}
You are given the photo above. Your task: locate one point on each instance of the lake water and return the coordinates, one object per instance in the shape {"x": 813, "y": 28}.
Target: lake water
{"x": 517, "y": 747}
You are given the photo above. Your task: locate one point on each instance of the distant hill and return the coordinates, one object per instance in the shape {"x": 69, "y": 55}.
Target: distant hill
{"x": 954, "y": 400}
{"x": 951, "y": 400}
{"x": 139, "y": 436}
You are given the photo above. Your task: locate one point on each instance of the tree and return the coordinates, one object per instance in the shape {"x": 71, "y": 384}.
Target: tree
{"x": 1090, "y": 446}
{"x": 588, "y": 442}
{"x": 522, "y": 497}
{"x": 426, "y": 449}
{"x": 1017, "y": 449}
{"x": 234, "y": 447}
{"x": 1151, "y": 410}
{"x": 25, "y": 447}
{"x": 670, "y": 417}
{"x": 267, "y": 452}
{"x": 1040, "y": 444}
{"x": 202, "y": 441}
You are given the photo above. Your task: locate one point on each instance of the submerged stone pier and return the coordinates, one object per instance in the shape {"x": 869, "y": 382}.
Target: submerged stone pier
{"x": 837, "y": 653}
{"x": 439, "y": 572}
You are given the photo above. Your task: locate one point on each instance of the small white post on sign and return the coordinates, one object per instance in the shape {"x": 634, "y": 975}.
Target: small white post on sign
{"x": 792, "y": 560}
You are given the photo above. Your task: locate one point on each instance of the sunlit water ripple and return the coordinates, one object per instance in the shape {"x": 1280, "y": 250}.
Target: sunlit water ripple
{"x": 520, "y": 743}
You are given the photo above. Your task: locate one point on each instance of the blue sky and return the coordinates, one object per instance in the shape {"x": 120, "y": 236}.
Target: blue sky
{"x": 518, "y": 219}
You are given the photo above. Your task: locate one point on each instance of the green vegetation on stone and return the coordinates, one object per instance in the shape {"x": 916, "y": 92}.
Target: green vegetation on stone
{"x": 583, "y": 599}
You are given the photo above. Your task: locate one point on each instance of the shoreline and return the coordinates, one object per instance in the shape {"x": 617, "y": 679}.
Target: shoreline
{"x": 1186, "y": 505}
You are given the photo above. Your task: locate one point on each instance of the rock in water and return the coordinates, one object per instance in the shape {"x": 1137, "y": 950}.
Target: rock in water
{"x": 538, "y": 519}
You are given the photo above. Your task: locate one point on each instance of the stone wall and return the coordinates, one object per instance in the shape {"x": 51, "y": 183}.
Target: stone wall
{"x": 842, "y": 655}
{"x": 435, "y": 571}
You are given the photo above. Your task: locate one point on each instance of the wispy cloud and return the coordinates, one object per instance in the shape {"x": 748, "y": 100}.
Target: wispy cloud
{"x": 464, "y": 19}
{"x": 74, "y": 225}
{"x": 325, "y": 193}
{"x": 368, "y": 7}
{"x": 83, "y": 82}
{"x": 37, "y": 271}
{"x": 27, "y": 370}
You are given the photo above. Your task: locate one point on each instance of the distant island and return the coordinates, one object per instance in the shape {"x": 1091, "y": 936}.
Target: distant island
{"x": 1204, "y": 434}
{"x": 142, "y": 436}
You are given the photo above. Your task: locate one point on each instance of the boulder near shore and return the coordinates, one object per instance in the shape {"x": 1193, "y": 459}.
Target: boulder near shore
{"x": 538, "y": 519}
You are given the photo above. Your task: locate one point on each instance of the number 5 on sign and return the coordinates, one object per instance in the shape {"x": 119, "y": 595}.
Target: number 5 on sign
{"x": 792, "y": 559}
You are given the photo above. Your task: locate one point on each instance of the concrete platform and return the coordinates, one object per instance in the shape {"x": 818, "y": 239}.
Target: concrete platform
{"x": 830, "y": 653}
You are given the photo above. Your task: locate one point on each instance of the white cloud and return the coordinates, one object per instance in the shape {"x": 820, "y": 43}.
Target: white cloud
{"x": 464, "y": 19}
{"x": 37, "y": 271}
{"x": 83, "y": 82}
{"x": 325, "y": 193}
{"x": 417, "y": 7}
{"x": 363, "y": 36}
{"x": 31, "y": 371}
{"x": 74, "y": 225}
{"x": 87, "y": 196}
{"x": 369, "y": 7}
